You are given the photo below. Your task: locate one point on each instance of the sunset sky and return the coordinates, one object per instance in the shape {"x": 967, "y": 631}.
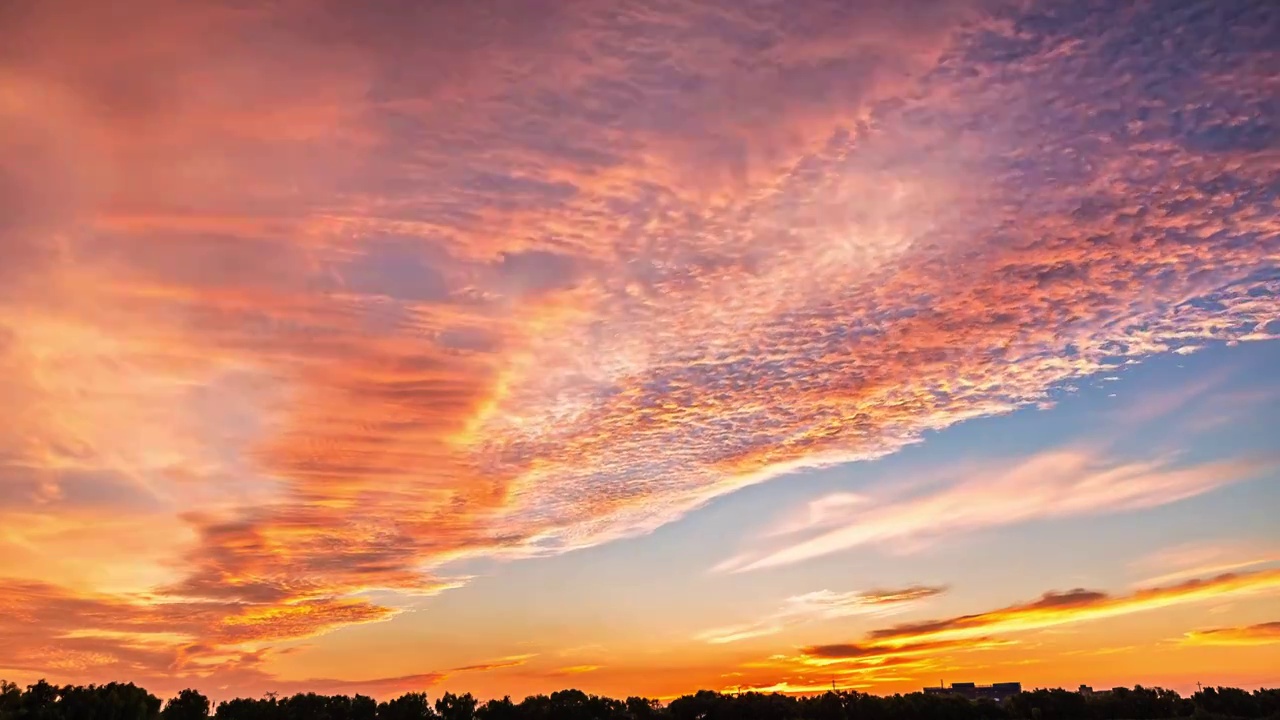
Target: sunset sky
{"x": 505, "y": 346}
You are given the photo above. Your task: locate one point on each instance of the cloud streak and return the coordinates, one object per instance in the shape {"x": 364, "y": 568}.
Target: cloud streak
{"x": 1260, "y": 634}
{"x": 1190, "y": 560}
{"x": 823, "y": 605}
{"x": 1079, "y": 605}
{"x": 886, "y": 654}
{"x": 1053, "y": 484}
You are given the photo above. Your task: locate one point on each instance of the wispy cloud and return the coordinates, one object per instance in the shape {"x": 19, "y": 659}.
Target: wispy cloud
{"x": 1260, "y": 634}
{"x": 1201, "y": 559}
{"x": 1057, "y": 483}
{"x": 1190, "y": 554}
{"x": 576, "y": 669}
{"x": 920, "y": 647}
{"x": 385, "y": 687}
{"x": 1062, "y": 608}
{"x": 500, "y": 663}
{"x": 823, "y": 605}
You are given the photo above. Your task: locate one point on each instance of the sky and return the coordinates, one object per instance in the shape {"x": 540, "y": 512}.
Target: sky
{"x": 505, "y": 346}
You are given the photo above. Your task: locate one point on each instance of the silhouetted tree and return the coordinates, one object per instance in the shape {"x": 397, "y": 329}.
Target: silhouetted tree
{"x": 188, "y": 705}
{"x": 117, "y": 701}
{"x": 456, "y": 707}
{"x": 363, "y": 708}
{"x": 1228, "y": 702}
{"x": 113, "y": 701}
{"x": 37, "y": 703}
{"x": 339, "y": 707}
{"x": 1056, "y": 704}
{"x": 410, "y": 706}
{"x": 1268, "y": 703}
{"x": 502, "y": 709}
{"x": 639, "y": 708}
{"x": 10, "y": 700}
{"x": 248, "y": 709}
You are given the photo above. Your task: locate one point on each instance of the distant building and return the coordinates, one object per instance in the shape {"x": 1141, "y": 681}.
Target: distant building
{"x": 1088, "y": 691}
{"x": 972, "y": 691}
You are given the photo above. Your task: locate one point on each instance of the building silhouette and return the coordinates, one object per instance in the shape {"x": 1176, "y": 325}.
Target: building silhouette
{"x": 1088, "y": 691}
{"x": 973, "y": 691}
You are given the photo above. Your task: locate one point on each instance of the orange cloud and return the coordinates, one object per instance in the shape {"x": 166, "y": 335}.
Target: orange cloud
{"x": 855, "y": 666}
{"x": 913, "y": 650}
{"x": 577, "y": 669}
{"x": 385, "y": 687}
{"x": 1059, "y": 608}
{"x": 1261, "y": 634}
{"x": 172, "y": 642}
{"x": 513, "y": 661}
{"x": 380, "y": 291}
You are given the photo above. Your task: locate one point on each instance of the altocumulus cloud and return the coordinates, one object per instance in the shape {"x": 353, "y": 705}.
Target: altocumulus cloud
{"x": 241, "y": 282}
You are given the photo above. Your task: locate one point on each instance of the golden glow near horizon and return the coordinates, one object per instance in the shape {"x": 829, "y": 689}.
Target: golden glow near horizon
{"x": 506, "y": 347}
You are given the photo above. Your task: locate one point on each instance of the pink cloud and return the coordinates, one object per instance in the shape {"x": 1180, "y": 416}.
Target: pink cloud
{"x": 337, "y": 297}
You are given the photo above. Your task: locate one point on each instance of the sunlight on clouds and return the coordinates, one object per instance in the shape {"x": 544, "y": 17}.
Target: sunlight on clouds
{"x": 1079, "y": 605}
{"x": 918, "y": 648}
{"x": 1056, "y": 483}
{"x": 302, "y": 303}
{"x": 824, "y": 605}
{"x": 1189, "y": 560}
{"x": 1261, "y": 634}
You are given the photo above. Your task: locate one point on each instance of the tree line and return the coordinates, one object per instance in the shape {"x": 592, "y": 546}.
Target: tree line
{"x": 126, "y": 701}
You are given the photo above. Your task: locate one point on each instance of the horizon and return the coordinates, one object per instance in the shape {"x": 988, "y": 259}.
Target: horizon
{"x": 127, "y": 700}
{"x": 1083, "y": 690}
{"x": 504, "y": 346}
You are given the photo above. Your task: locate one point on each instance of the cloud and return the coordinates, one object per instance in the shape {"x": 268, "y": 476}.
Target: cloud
{"x": 1260, "y": 634}
{"x": 536, "y": 271}
{"x": 375, "y": 687}
{"x": 1055, "y": 483}
{"x": 853, "y": 666}
{"x": 507, "y": 662}
{"x": 385, "y": 687}
{"x": 1200, "y": 559}
{"x": 915, "y": 649}
{"x": 823, "y": 605}
{"x": 821, "y": 654}
{"x": 704, "y": 247}
{"x": 1053, "y": 609}
{"x": 576, "y": 669}
{"x": 172, "y": 643}
{"x": 176, "y": 627}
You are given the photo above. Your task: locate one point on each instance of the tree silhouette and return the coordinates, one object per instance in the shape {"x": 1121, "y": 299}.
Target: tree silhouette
{"x": 188, "y": 705}
{"x": 410, "y": 706}
{"x": 363, "y": 708}
{"x": 495, "y": 709}
{"x": 456, "y": 707}
{"x": 117, "y": 701}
